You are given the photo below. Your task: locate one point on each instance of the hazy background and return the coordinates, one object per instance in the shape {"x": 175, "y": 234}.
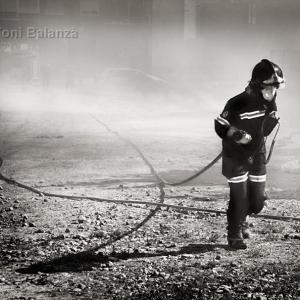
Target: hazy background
{"x": 199, "y": 52}
{"x": 160, "y": 67}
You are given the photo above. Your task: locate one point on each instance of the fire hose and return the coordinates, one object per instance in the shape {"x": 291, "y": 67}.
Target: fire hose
{"x": 97, "y": 199}
{"x": 160, "y": 183}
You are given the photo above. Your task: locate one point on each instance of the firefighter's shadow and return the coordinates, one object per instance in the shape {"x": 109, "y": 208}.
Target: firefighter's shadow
{"x": 87, "y": 261}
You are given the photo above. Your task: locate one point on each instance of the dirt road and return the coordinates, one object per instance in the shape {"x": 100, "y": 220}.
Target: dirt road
{"x": 176, "y": 255}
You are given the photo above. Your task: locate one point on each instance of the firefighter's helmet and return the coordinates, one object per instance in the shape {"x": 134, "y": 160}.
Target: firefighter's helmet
{"x": 267, "y": 73}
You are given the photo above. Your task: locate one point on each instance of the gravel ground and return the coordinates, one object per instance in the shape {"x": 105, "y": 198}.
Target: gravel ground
{"x": 177, "y": 254}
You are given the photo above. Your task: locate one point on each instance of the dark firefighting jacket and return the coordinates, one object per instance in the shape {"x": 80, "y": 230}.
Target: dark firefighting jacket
{"x": 249, "y": 112}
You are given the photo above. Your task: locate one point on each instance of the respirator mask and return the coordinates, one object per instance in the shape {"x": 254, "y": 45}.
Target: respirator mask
{"x": 271, "y": 85}
{"x": 269, "y": 92}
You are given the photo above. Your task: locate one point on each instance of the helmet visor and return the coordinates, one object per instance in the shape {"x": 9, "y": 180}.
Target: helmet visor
{"x": 276, "y": 80}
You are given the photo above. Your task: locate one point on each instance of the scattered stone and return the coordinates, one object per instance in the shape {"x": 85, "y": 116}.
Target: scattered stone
{"x": 184, "y": 256}
{"x": 223, "y": 288}
{"x": 78, "y": 237}
{"x": 117, "y": 233}
{"x": 81, "y": 219}
{"x": 164, "y": 275}
{"x": 83, "y": 243}
{"x": 234, "y": 264}
{"x": 41, "y": 253}
{"x": 261, "y": 297}
{"x": 81, "y": 286}
{"x": 110, "y": 264}
{"x": 100, "y": 234}
{"x": 67, "y": 230}
{"x": 173, "y": 245}
{"x": 60, "y": 237}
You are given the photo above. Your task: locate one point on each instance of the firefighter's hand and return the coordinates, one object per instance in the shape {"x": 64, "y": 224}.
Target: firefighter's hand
{"x": 245, "y": 139}
{"x": 239, "y": 136}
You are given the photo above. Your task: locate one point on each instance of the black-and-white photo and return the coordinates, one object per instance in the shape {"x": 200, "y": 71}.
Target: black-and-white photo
{"x": 149, "y": 149}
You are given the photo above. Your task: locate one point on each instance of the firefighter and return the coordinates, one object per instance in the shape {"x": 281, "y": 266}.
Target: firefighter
{"x": 243, "y": 126}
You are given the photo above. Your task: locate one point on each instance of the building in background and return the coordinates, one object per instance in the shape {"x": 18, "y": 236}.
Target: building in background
{"x": 174, "y": 39}
{"x": 211, "y": 36}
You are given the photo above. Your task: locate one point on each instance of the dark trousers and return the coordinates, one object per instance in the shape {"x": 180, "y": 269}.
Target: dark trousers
{"x": 245, "y": 198}
{"x": 247, "y": 189}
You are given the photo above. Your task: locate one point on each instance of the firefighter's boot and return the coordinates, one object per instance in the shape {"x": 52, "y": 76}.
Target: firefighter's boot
{"x": 235, "y": 239}
{"x": 245, "y": 230}
{"x": 236, "y": 213}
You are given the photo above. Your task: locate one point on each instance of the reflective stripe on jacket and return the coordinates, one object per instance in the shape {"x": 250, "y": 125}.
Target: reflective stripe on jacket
{"x": 247, "y": 111}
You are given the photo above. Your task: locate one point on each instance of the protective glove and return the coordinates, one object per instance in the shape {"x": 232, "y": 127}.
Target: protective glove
{"x": 242, "y": 137}
{"x": 239, "y": 136}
